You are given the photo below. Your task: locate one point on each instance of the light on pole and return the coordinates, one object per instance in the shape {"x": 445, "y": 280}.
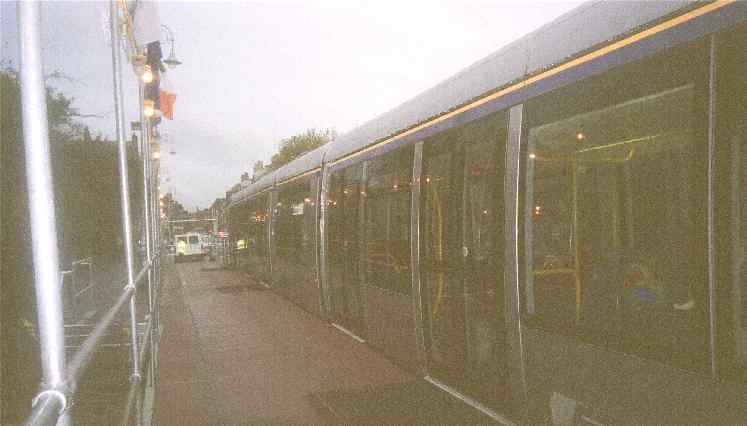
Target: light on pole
{"x": 171, "y": 61}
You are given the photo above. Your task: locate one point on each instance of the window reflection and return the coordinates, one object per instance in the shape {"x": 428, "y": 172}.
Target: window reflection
{"x": 294, "y": 217}
{"x": 248, "y": 233}
{"x": 461, "y": 257}
{"x": 345, "y": 246}
{"x": 387, "y": 221}
{"x": 614, "y": 229}
{"x": 290, "y": 233}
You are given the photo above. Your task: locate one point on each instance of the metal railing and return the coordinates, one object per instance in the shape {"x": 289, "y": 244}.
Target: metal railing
{"x": 60, "y": 381}
{"x": 47, "y": 405}
{"x": 79, "y": 289}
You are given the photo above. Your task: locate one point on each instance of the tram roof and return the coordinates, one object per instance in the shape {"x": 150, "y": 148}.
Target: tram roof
{"x": 262, "y": 183}
{"x": 309, "y": 161}
{"x": 581, "y": 29}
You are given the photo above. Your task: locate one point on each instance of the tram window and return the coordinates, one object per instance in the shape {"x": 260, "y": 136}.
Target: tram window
{"x": 309, "y": 218}
{"x": 239, "y": 223}
{"x": 740, "y": 256}
{"x": 732, "y": 162}
{"x": 387, "y": 221}
{"x": 290, "y": 231}
{"x": 256, "y": 222}
{"x": 334, "y": 221}
{"x": 615, "y": 210}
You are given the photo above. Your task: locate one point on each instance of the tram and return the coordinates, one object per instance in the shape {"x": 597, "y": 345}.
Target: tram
{"x": 555, "y": 234}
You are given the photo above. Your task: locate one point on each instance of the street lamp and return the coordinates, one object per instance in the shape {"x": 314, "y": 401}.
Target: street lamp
{"x": 171, "y": 61}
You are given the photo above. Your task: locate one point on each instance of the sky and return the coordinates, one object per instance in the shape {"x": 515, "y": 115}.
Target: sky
{"x": 255, "y": 72}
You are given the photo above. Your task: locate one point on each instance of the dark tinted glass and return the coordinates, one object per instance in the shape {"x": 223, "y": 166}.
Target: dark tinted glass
{"x": 239, "y": 228}
{"x": 732, "y": 114}
{"x": 290, "y": 232}
{"x": 345, "y": 245}
{"x": 387, "y": 221}
{"x": 334, "y": 227}
{"x": 739, "y": 251}
{"x": 310, "y": 223}
{"x": 614, "y": 210}
{"x": 255, "y": 234}
{"x": 462, "y": 256}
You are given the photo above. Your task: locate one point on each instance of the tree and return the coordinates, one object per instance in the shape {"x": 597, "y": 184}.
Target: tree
{"x": 258, "y": 166}
{"x": 173, "y": 208}
{"x": 258, "y": 169}
{"x": 87, "y": 208}
{"x": 295, "y": 146}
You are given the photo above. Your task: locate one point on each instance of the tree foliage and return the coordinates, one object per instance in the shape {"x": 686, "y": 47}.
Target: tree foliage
{"x": 85, "y": 173}
{"x": 174, "y": 209}
{"x": 295, "y": 146}
{"x": 87, "y": 208}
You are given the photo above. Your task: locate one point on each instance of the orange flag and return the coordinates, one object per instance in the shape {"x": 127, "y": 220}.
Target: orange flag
{"x": 167, "y": 104}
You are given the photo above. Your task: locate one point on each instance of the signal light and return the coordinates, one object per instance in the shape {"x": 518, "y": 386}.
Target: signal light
{"x": 147, "y": 76}
{"x": 149, "y": 108}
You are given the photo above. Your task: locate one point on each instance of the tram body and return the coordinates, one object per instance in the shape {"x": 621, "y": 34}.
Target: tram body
{"x": 556, "y": 234}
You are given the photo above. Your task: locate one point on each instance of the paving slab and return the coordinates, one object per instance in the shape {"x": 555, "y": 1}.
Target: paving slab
{"x": 233, "y": 352}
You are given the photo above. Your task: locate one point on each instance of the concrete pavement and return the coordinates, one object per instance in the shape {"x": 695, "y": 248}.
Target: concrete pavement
{"x": 234, "y": 353}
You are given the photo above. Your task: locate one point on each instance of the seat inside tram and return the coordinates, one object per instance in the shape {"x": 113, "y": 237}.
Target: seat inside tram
{"x": 615, "y": 214}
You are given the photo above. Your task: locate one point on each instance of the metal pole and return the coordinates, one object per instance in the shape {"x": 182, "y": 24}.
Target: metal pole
{"x": 132, "y": 394}
{"x": 47, "y": 283}
{"x": 153, "y": 193}
{"x": 326, "y": 311}
{"x": 49, "y": 404}
{"x": 155, "y": 229}
{"x": 711, "y": 215}
{"x": 147, "y": 207}
{"x": 154, "y": 220}
{"x": 416, "y": 284}
{"x": 124, "y": 183}
{"x": 512, "y": 272}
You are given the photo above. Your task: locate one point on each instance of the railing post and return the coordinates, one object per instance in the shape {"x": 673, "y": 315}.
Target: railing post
{"x": 114, "y": 28}
{"x": 147, "y": 212}
{"x": 155, "y": 229}
{"x": 47, "y": 283}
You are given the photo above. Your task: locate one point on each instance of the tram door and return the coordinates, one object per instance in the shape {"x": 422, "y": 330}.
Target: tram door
{"x": 345, "y": 248}
{"x": 462, "y": 265}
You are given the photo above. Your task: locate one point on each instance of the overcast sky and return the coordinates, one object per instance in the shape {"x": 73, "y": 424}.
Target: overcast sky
{"x": 256, "y": 72}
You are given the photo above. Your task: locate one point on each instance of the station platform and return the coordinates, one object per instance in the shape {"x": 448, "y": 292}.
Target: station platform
{"x": 234, "y": 352}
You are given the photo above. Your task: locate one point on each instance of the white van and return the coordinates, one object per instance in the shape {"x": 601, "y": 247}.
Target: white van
{"x": 188, "y": 246}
